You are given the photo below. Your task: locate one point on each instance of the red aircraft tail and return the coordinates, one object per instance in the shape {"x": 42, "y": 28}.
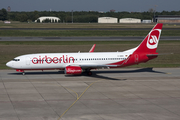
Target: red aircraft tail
{"x": 147, "y": 49}
{"x": 150, "y": 43}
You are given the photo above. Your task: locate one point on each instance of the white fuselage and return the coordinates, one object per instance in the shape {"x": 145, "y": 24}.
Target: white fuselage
{"x": 61, "y": 60}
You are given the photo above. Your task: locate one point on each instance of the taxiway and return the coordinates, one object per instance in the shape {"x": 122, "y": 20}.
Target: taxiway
{"x": 115, "y": 94}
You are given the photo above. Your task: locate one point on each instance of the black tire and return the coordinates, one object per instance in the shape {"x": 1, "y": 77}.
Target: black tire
{"x": 89, "y": 73}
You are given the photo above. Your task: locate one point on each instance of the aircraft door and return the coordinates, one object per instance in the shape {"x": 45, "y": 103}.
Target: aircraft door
{"x": 28, "y": 61}
{"x": 136, "y": 58}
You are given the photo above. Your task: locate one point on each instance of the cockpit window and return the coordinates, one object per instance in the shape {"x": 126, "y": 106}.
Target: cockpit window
{"x": 16, "y": 59}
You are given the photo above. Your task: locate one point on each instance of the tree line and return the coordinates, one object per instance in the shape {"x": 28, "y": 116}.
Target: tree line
{"x": 79, "y": 16}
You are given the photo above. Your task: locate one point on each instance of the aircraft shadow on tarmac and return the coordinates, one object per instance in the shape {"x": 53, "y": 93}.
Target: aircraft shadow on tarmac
{"x": 124, "y": 71}
{"x": 133, "y": 71}
{"x": 95, "y": 73}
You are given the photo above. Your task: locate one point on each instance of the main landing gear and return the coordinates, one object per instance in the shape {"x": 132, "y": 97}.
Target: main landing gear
{"x": 88, "y": 72}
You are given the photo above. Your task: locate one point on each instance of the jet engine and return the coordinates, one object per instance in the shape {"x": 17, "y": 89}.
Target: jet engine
{"x": 73, "y": 70}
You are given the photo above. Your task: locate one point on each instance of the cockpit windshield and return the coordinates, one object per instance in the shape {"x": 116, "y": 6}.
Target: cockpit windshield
{"x": 16, "y": 60}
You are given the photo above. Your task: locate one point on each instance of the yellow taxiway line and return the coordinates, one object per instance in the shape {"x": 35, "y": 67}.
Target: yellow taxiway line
{"x": 77, "y": 97}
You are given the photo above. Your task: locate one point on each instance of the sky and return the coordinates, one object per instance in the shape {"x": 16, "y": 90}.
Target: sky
{"x": 91, "y": 5}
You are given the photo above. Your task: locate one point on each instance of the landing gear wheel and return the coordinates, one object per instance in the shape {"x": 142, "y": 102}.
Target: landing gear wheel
{"x": 89, "y": 73}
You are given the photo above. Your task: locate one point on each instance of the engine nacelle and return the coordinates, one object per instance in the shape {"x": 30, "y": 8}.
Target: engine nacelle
{"x": 73, "y": 70}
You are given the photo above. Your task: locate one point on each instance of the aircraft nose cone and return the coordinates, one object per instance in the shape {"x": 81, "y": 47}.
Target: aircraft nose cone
{"x": 9, "y": 64}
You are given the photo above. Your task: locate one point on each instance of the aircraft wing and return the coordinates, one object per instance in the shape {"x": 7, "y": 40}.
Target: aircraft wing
{"x": 93, "y": 66}
{"x": 96, "y": 66}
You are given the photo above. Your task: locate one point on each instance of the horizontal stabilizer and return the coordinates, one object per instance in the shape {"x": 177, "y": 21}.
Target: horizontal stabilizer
{"x": 152, "y": 55}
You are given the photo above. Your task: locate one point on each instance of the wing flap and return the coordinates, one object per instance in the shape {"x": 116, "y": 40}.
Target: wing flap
{"x": 96, "y": 66}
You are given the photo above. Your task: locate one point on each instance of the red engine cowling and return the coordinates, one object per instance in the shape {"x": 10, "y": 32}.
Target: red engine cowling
{"x": 73, "y": 70}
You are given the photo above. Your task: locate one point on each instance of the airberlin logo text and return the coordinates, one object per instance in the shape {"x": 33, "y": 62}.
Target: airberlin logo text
{"x": 153, "y": 38}
{"x": 49, "y": 60}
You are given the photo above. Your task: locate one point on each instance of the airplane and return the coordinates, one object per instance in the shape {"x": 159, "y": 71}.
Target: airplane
{"x": 78, "y": 63}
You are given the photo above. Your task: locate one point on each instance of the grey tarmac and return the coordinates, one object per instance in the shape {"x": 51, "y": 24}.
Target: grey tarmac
{"x": 109, "y": 94}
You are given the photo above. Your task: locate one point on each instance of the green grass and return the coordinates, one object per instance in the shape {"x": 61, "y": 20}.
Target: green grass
{"x": 15, "y": 24}
{"x": 64, "y": 33}
{"x": 81, "y": 42}
{"x": 74, "y": 25}
{"x": 9, "y": 50}
{"x": 70, "y": 42}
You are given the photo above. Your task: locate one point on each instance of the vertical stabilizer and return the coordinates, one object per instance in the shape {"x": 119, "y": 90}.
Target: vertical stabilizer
{"x": 150, "y": 43}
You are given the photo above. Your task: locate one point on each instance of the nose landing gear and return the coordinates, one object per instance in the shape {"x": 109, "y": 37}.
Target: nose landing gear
{"x": 21, "y": 71}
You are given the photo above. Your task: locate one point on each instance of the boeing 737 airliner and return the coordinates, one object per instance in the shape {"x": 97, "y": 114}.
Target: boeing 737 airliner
{"x": 77, "y": 63}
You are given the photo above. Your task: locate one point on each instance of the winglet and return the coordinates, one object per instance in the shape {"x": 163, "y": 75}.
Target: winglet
{"x": 92, "y": 49}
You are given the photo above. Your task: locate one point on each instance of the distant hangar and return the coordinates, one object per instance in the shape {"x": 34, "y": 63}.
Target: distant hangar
{"x": 129, "y": 20}
{"x": 41, "y": 19}
{"x": 115, "y": 20}
{"x": 107, "y": 20}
